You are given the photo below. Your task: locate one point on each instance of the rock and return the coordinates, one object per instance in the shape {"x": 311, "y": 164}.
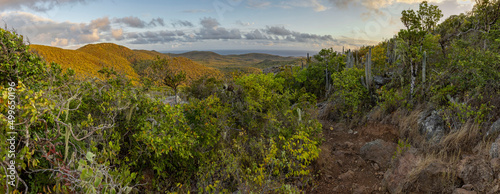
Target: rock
{"x": 468, "y": 187}
{"x": 375, "y": 167}
{"x": 495, "y": 149}
{"x": 475, "y": 171}
{"x": 433, "y": 178}
{"x": 405, "y": 176}
{"x": 323, "y": 109}
{"x": 171, "y": 100}
{"x": 463, "y": 191}
{"x": 359, "y": 189}
{"x": 494, "y": 189}
{"x": 339, "y": 162}
{"x": 378, "y": 151}
{"x": 347, "y": 175}
{"x": 431, "y": 125}
{"x": 349, "y": 145}
{"x": 380, "y": 81}
{"x": 395, "y": 178}
{"x": 495, "y": 165}
{"x": 494, "y": 129}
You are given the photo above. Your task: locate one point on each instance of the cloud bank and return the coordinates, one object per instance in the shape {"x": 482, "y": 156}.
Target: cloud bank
{"x": 133, "y": 30}
{"x": 37, "y": 5}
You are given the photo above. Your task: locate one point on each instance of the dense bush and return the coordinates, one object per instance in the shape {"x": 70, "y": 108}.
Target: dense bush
{"x": 350, "y": 96}
{"x": 111, "y": 136}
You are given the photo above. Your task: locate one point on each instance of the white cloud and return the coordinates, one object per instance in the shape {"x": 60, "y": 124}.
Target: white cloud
{"x": 45, "y": 31}
{"x": 90, "y": 38}
{"x": 37, "y": 5}
{"x": 117, "y": 34}
{"x": 59, "y": 42}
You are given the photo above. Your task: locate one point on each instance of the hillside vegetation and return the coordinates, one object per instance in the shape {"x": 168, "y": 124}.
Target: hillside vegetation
{"x": 89, "y": 59}
{"x": 436, "y": 86}
{"x": 247, "y": 63}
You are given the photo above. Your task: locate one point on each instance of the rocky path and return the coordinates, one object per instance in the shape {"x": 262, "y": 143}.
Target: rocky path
{"x": 345, "y": 166}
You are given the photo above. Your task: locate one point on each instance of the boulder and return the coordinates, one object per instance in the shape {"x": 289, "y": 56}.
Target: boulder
{"x": 475, "y": 171}
{"x": 380, "y": 80}
{"x": 468, "y": 187}
{"x": 494, "y": 129}
{"x": 433, "y": 178}
{"x": 495, "y": 165}
{"x": 395, "y": 178}
{"x": 495, "y": 149}
{"x": 378, "y": 151}
{"x": 171, "y": 100}
{"x": 431, "y": 125}
{"x": 347, "y": 175}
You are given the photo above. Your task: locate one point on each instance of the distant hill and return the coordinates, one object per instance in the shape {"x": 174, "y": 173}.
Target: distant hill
{"x": 251, "y": 62}
{"x": 89, "y": 59}
{"x": 85, "y": 64}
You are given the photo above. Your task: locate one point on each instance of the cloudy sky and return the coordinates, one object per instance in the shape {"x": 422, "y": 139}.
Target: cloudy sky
{"x": 169, "y": 25}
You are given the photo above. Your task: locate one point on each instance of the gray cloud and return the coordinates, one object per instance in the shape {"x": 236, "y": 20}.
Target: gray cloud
{"x": 255, "y": 35}
{"x": 100, "y": 23}
{"x": 157, "y": 22}
{"x": 280, "y": 31}
{"x": 211, "y": 30}
{"x": 136, "y": 22}
{"x": 131, "y": 21}
{"x": 37, "y": 5}
{"x": 45, "y": 31}
{"x": 209, "y": 23}
{"x": 150, "y": 37}
{"x": 182, "y": 23}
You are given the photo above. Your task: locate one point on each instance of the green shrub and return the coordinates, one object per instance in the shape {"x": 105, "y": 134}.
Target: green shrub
{"x": 350, "y": 96}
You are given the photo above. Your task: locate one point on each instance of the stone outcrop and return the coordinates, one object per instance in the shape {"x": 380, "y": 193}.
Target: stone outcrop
{"x": 378, "y": 151}
{"x": 431, "y": 125}
{"x": 475, "y": 171}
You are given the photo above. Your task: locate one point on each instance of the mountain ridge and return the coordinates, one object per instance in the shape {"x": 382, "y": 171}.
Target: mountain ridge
{"x": 89, "y": 59}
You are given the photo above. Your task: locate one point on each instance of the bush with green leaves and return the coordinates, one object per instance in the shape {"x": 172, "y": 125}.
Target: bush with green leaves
{"x": 350, "y": 96}
{"x": 16, "y": 60}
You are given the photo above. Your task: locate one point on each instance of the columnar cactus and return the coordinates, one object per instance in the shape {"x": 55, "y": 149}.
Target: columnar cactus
{"x": 368, "y": 70}
{"x": 424, "y": 63}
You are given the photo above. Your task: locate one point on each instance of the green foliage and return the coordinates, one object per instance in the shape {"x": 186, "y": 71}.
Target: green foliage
{"x": 350, "y": 95}
{"x": 203, "y": 87}
{"x": 402, "y": 147}
{"x": 390, "y": 99}
{"x": 164, "y": 74}
{"x": 97, "y": 178}
{"x": 16, "y": 62}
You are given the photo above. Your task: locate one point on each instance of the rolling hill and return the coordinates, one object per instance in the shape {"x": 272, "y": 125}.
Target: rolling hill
{"x": 251, "y": 62}
{"x": 89, "y": 59}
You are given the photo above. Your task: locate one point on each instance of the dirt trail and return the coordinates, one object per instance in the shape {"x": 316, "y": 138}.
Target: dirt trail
{"x": 340, "y": 166}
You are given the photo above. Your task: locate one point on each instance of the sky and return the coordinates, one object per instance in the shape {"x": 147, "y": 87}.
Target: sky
{"x": 173, "y": 25}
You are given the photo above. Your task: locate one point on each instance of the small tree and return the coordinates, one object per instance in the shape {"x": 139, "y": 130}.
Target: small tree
{"x": 164, "y": 75}
{"x": 418, "y": 24}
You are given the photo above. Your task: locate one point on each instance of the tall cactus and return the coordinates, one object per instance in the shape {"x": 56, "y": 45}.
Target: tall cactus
{"x": 424, "y": 63}
{"x": 368, "y": 70}
{"x": 348, "y": 62}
